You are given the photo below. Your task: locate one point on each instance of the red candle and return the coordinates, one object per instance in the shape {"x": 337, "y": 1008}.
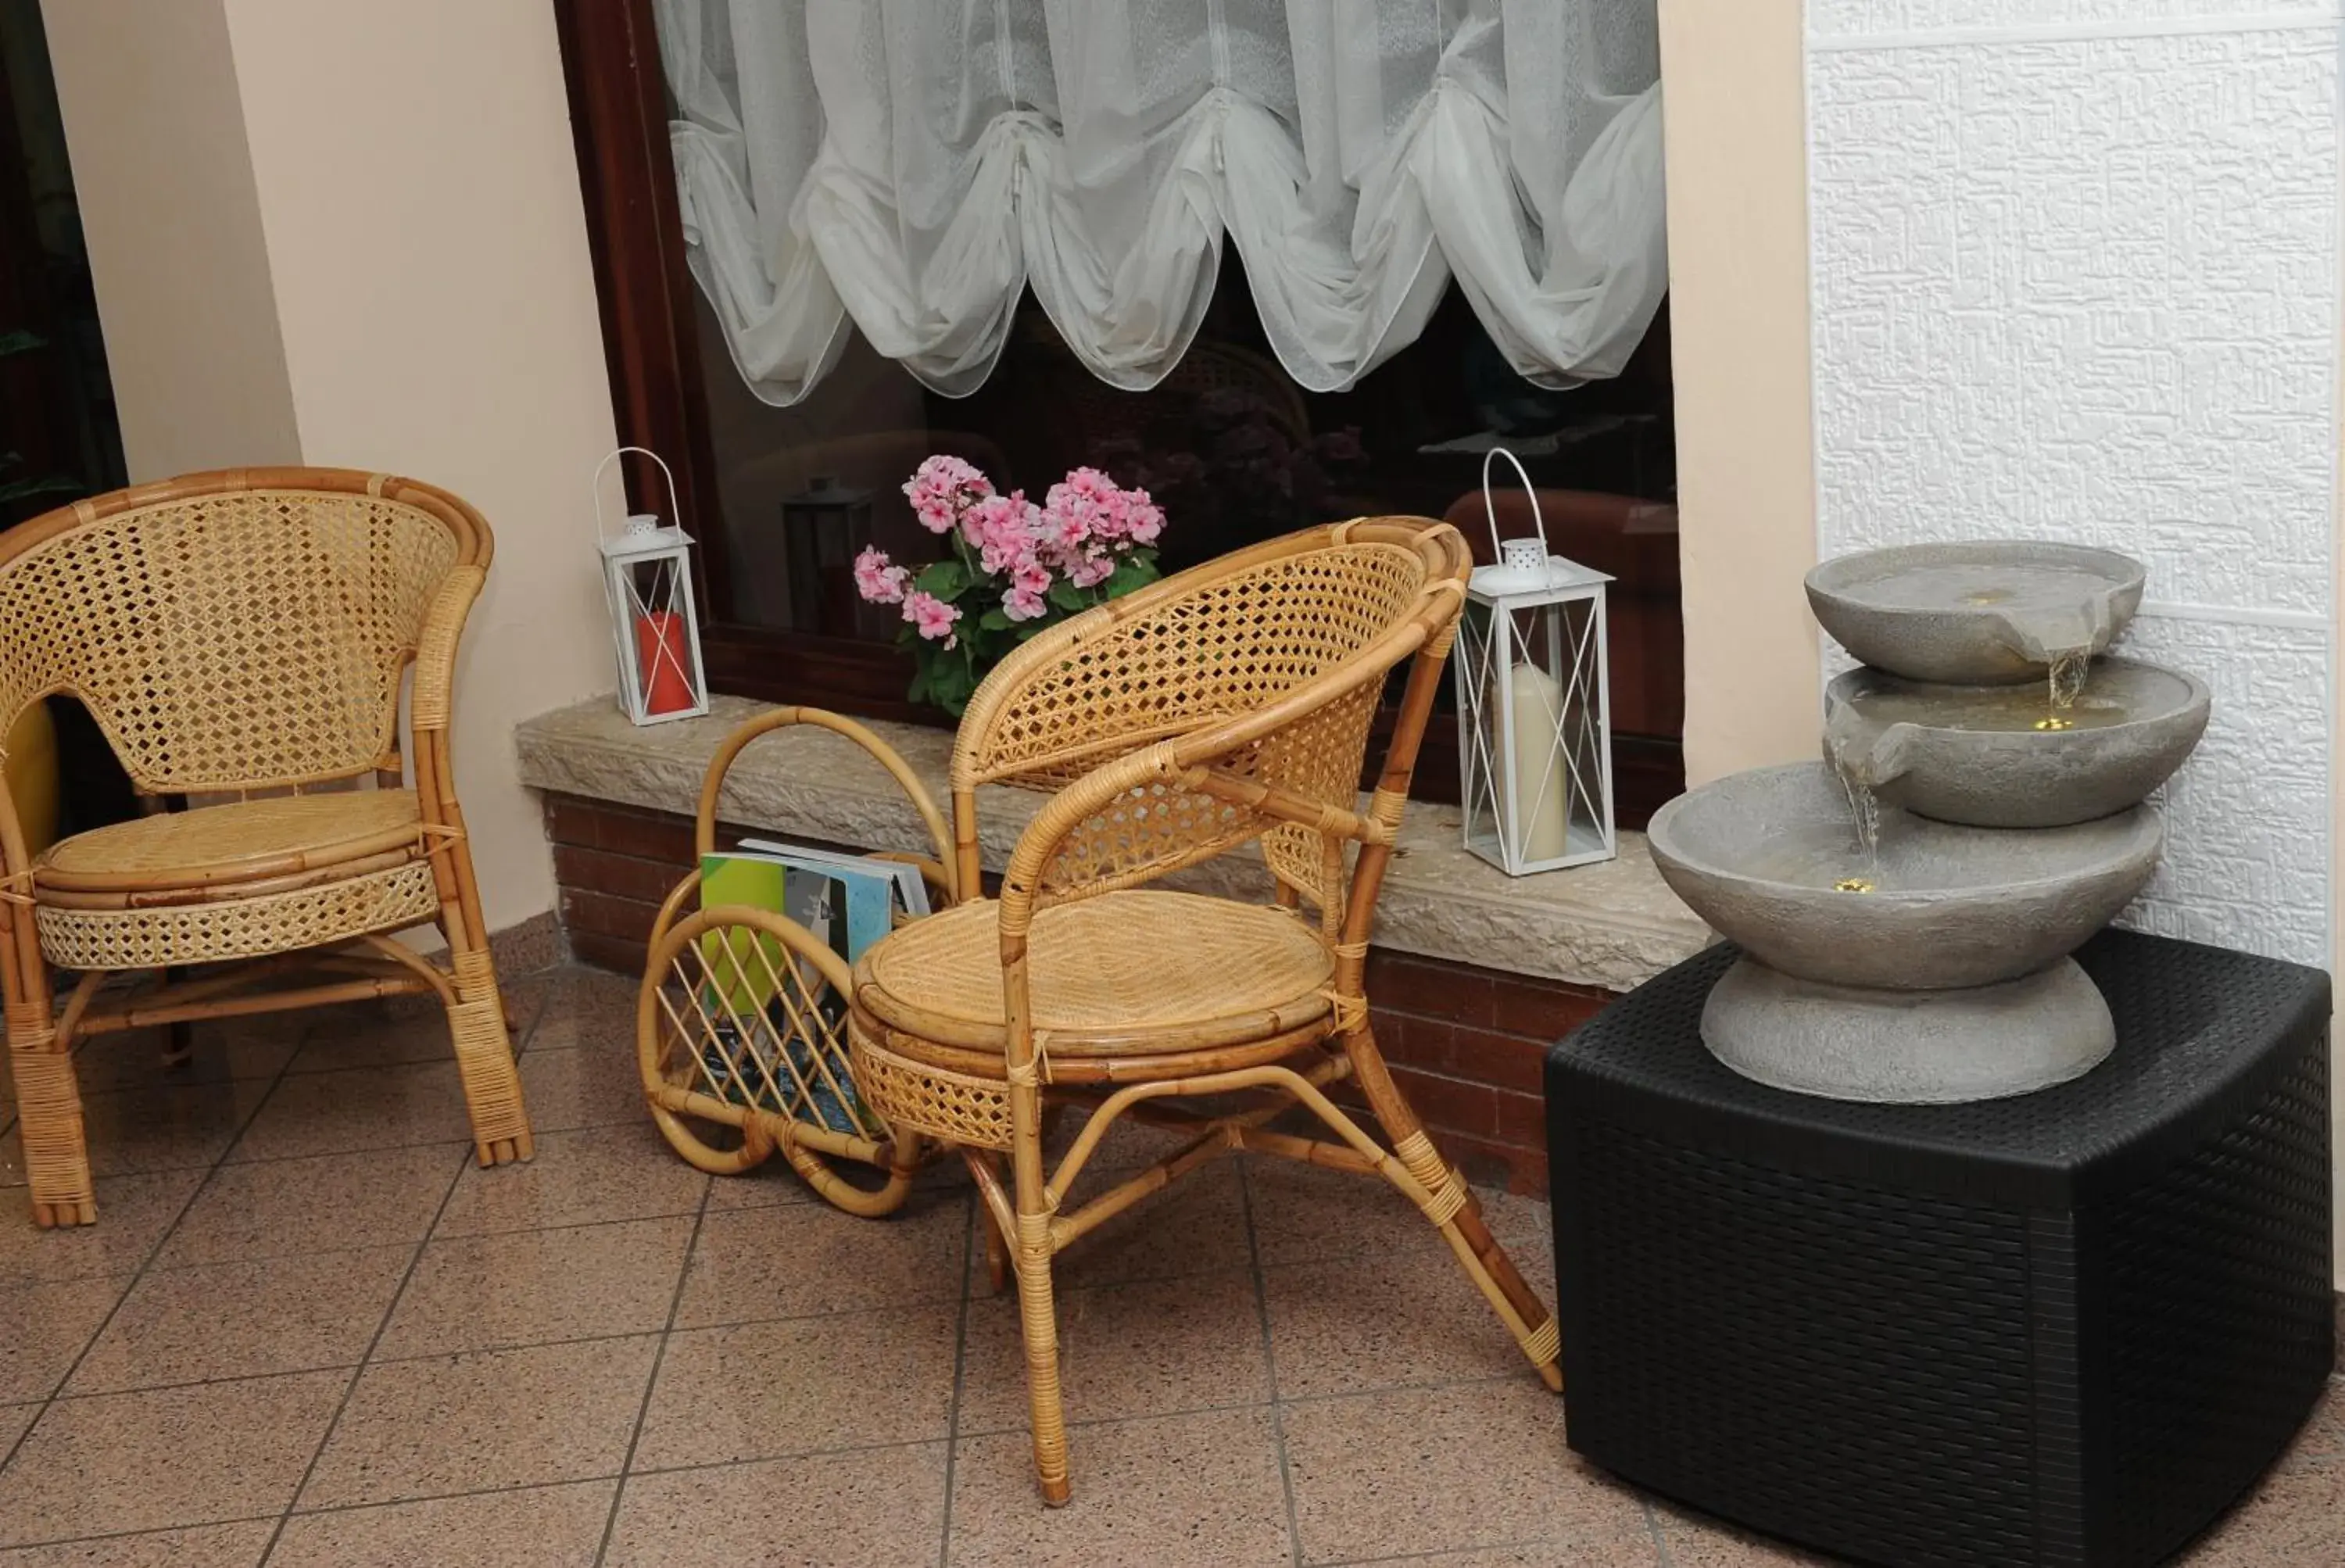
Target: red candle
{"x": 663, "y": 662}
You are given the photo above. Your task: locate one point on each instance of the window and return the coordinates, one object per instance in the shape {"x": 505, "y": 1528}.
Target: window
{"x": 1229, "y": 444}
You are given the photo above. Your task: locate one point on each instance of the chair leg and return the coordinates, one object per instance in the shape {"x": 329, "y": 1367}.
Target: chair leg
{"x": 1037, "y": 1311}
{"x": 484, "y": 1060}
{"x": 1450, "y": 1204}
{"x": 48, "y": 1114}
{"x": 997, "y": 1253}
{"x": 1039, "y": 1315}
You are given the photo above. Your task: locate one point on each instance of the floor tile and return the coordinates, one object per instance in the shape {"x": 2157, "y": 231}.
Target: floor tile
{"x": 481, "y": 1292}
{"x": 476, "y": 1421}
{"x": 2321, "y": 1443}
{"x": 47, "y": 1323}
{"x": 581, "y": 1088}
{"x": 1195, "y": 1225}
{"x": 344, "y": 1038}
{"x": 1697, "y": 1541}
{"x": 771, "y": 1183}
{"x": 13, "y": 1421}
{"x": 133, "y": 1213}
{"x": 585, "y": 1177}
{"x": 1168, "y": 1491}
{"x": 1378, "y": 1320}
{"x": 213, "y": 1546}
{"x": 1612, "y": 1549}
{"x": 2294, "y": 1517}
{"x": 587, "y": 1008}
{"x": 166, "y": 1458}
{"x": 538, "y": 1527}
{"x": 1303, "y": 1213}
{"x": 381, "y": 1197}
{"x": 768, "y": 1391}
{"x": 1429, "y": 1470}
{"x": 801, "y": 1259}
{"x": 1156, "y": 1347}
{"x": 244, "y": 1319}
{"x": 880, "y": 1508}
{"x": 362, "y": 1108}
{"x": 157, "y": 1127}
{"x": 254, "y": 1047}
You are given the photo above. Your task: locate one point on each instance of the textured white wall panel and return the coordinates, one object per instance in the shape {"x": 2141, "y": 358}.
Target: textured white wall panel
{"x": 1837, "y": 21}
{"x": 2247, "y": 819}
{"x": 2085, "y": 287}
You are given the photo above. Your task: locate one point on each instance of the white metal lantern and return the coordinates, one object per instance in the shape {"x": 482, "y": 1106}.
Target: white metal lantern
{"x": 654, "y": 626}
{"x": 1534, "y": 709}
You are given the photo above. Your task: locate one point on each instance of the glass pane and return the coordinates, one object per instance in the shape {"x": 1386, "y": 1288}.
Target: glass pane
{"x": 1230, "y": 448}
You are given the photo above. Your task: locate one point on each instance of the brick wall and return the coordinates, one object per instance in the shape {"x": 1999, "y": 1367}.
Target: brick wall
{"x": 1464, "y": 1042}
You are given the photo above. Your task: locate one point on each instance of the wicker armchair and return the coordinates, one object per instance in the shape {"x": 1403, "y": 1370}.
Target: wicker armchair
{"x": 244, "y": 633}
{"x": 1228, "y": 705}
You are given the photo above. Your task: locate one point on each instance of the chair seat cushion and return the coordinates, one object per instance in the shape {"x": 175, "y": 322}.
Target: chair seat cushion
{"x": 245, "y": 841}
{"x": 1128, "y": 972}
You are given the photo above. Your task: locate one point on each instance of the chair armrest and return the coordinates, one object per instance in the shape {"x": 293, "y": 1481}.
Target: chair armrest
{"x": 432, "y": 706}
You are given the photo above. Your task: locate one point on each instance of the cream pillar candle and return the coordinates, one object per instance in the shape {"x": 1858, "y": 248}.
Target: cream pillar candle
{"x": 1535, "y": 700}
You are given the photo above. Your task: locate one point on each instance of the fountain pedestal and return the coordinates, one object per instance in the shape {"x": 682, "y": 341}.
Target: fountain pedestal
{"x": 1908, "y": 1047}
{"x": 2066, "y": 1328}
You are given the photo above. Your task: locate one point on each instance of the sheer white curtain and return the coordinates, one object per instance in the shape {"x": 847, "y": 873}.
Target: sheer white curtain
{"x": 906, "y": 167}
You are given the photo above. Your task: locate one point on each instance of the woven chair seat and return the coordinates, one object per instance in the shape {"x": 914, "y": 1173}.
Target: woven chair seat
{"x": 243, "y": 843}
{"x": 1119, "y": 974}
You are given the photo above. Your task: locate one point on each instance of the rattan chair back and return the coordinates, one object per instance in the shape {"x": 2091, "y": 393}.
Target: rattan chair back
{"x": 233, "y": 631}
{"x": 1265, "y": 667}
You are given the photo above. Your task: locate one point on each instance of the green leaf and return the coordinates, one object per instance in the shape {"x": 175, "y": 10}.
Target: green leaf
{"x": 947, "y": 580}
{"x": 919, "y": 690}
{"x": 951, "y": 682}
{"x": 1134, "y": 571}
{"x": 993, "y": 621}
{"x": 1069, "y": 597}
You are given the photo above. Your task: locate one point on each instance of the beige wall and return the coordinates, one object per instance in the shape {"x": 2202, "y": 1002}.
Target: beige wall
{"x": 410, "y": 214}
{"x": 174, "y": 242}
{"x": 1735, "y": 116}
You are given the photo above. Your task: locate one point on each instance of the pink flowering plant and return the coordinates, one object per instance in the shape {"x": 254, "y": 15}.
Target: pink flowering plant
{"x": 1015, "y": 567}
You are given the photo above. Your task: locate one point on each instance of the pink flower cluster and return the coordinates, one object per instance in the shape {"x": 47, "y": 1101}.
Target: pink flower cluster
{"x": 942, "y": 488}
{"x": 1086, "y": 522}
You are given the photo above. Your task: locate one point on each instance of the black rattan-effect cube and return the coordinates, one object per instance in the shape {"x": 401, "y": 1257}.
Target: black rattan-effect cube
{"x": 2066, "y": 1328}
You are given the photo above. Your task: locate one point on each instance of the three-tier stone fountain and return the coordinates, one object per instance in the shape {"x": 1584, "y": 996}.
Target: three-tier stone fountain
{"x": 1906, "y": 907}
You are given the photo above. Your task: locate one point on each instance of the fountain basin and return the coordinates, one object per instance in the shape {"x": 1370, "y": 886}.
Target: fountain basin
{"x": 1972, "y": 755}
{"x": 1756, "y": 855}
{"x": 1992, "y": 612}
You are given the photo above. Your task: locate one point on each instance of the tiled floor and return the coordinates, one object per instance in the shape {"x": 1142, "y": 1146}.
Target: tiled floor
{"x": 307, "y": 1331}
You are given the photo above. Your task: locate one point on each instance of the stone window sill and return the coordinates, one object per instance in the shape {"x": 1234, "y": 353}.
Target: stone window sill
{"x": 1612, "y": 926}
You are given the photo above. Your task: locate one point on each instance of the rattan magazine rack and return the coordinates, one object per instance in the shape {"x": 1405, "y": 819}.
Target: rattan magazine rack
{"x": 740, "y": 1022}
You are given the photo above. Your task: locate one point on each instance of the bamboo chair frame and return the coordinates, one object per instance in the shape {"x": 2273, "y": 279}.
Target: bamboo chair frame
{"x": 1105, "y": 748}
{"x": 109, "y": 599}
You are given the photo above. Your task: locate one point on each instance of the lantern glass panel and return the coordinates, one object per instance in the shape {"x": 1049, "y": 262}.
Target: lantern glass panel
{"x": 655, "y": 629}
{"x": 1535, "y": 768}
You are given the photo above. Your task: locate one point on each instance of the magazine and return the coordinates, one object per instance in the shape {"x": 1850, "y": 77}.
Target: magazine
{"x": 848, "y": 902}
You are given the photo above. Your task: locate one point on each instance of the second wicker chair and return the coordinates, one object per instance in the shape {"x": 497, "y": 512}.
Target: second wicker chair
{"x": 1228, "y": 705}
{"x": 245, "y": 633}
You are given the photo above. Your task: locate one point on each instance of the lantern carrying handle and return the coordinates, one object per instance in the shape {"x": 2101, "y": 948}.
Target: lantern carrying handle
{"x": 1490, "y": 510}
{"x": 674, "y": 509}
